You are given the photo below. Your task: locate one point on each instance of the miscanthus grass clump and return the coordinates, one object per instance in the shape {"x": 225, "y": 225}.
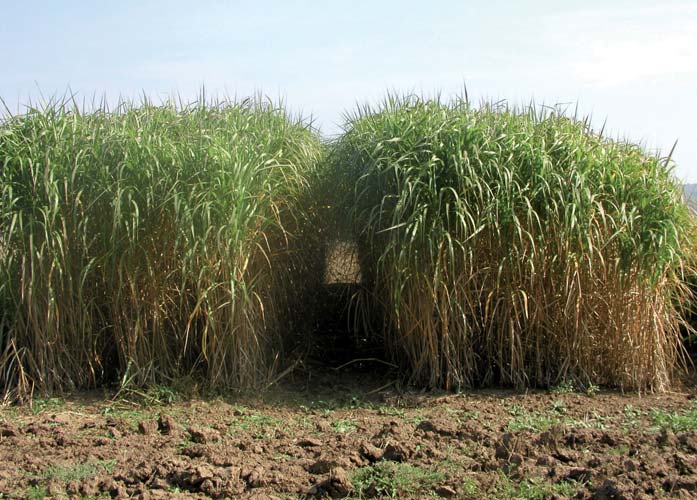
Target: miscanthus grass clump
{"x": 151, "y": 242}
{"x": 514, "y": 246}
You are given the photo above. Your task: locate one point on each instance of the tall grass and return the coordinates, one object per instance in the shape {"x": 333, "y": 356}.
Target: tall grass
{"x": 514, "y": 245}
{"x": 151, "y": 242}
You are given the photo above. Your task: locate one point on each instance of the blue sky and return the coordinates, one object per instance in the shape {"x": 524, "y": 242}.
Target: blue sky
{"x": 631, "y": 63}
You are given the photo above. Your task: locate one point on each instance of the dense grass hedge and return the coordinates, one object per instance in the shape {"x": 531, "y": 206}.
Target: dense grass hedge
{"x": 514, "y": 245}
{"x": 496, "y": 245}
{"x": 152, "y": 242}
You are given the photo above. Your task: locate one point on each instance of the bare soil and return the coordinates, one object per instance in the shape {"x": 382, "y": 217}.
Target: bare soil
{"x": 349, "y": 436}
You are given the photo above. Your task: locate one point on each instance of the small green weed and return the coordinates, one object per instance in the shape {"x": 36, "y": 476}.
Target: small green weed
{"x": 259, "y": 420}
{"x": 261, "y": 426}
{"x": 535, "y": 489}
{"x": 394, "y": 480}
{"x": 619, "y": 450}
{"x": 591, "y": 389}
{"x": 416, "y": 418}
{"x": 465, "y": 415}
{"x": 631, "y": 412}
{"x": 468, "y": 486}
{"x": 632, "y": 416}
{"x": 392, "y": 411}
{"x": 69, "y": 472}
{"x": 558, "y": 406}
{"x": 37, "y": 493}
{"x": 593, "y": 420}
{"x": 452, "y": 467}
{"x": 343, "y": 425}
{"x": 677, "y": 422}
{"x": 532, "y": 421}
{"x": 462, "y": 415}
{"x": 565, "y": 387}
{"x": 132, "y": 415}
{"x": 153, "y": 395}
{"x": 49, "y": 404}
{"x": 304, "y": 422}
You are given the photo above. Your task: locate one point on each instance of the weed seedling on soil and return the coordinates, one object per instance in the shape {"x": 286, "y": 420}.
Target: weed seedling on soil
{"x": 535, "y": 489}
{"x": 394, "y": 480}
{"x": 77, "y": 472}
{"x": 49, "y": 404}
{"x": 565, "y": 387}
{"x": 37, "y": 493}
{"x": 63, "y": 474}
{"x": 391, "y": 411}
{"x": 532, "y": 421}
{"x": 261, "y": 426}
{"x": 343, "y": 425}
{"x": 677, "y": 422}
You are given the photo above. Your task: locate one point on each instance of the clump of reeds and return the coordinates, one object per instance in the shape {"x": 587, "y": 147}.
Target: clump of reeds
{"x": 151, "y": 242}
{"x": 514, "y": 246}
